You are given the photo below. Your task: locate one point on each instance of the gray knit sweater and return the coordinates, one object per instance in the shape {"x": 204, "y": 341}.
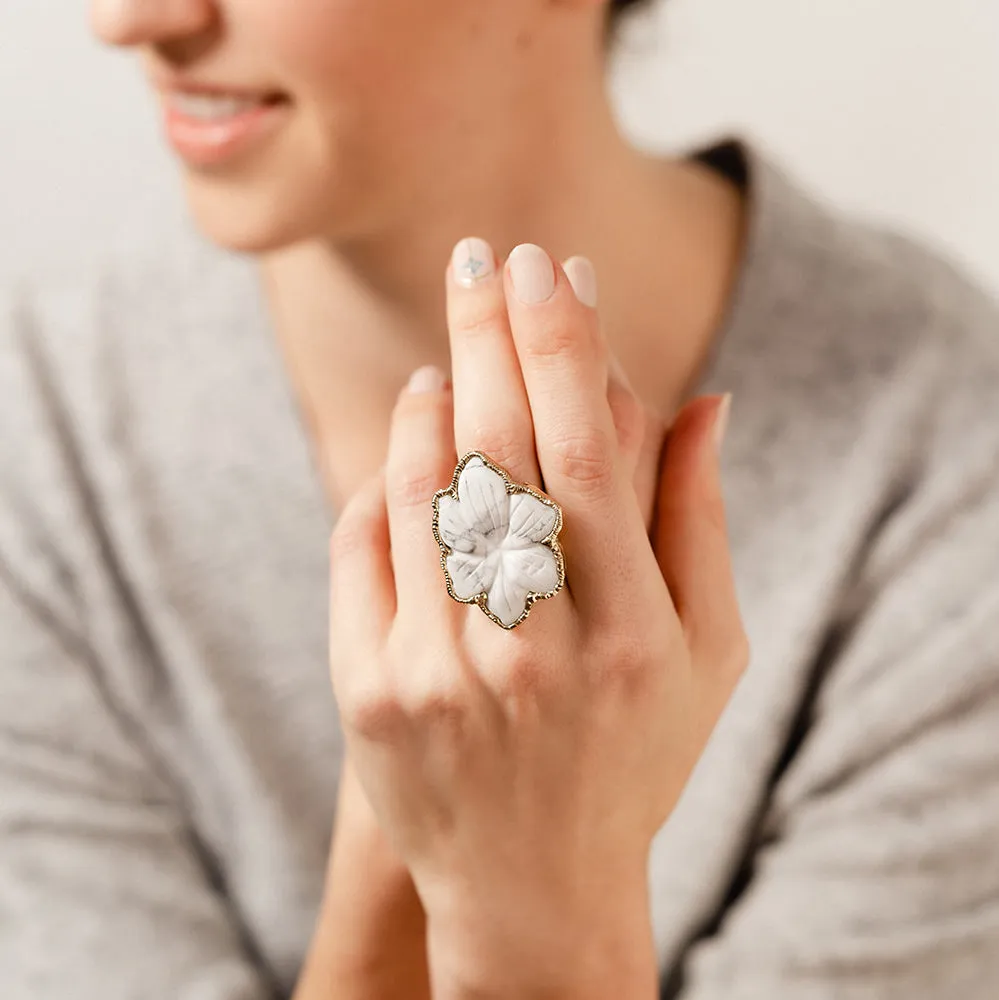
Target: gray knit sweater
{"x": 168, "y": 744}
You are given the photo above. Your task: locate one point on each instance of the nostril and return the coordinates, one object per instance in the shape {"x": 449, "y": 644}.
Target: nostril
{"x": 136, "y": 22}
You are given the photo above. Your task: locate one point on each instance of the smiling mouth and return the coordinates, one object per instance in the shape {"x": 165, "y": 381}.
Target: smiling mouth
{"x": 210, "y": 107}
{"x": 213, "y": 127}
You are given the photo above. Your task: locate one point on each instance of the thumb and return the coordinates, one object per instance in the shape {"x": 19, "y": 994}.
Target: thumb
{"x": 690, "y": 533}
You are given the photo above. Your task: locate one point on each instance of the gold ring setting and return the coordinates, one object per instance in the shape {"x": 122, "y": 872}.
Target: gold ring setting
{"x": 498, "y": 540}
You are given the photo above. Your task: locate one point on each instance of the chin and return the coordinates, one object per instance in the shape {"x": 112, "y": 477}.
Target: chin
{"x": 256, "y": 217}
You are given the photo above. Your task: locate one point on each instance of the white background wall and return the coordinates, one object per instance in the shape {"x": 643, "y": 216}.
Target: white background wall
{"x": 889, "y": 107}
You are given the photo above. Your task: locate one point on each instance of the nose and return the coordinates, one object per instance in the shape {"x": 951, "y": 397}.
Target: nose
{"x": 147, "y": 22}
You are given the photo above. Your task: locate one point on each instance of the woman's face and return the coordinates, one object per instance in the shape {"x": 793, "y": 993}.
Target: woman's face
{"x": 349, "y": 110}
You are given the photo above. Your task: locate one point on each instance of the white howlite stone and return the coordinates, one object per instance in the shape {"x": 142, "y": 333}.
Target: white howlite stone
{"x": 497, "y": 542}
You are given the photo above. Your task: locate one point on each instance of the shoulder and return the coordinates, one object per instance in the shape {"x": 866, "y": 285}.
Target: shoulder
{"x": 887, "y": 355}
{"x": 128, "y": 295}
{"x": 82, "y": 353}
{"x": 869, "y": 367}
{"x": 853, "y": 331}
{"x": 876, "y": 284}
{"x": 71, "y": 338}
{"x": 870, "y": 288}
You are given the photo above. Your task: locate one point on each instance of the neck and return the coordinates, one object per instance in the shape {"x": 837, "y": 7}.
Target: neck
{"x": 355, "y": 315}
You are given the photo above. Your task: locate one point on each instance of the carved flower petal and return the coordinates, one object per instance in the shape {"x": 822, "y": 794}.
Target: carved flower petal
{"x": 534, "y": 568}
{"x": 507, "y": 599}
{"x": 470, "y": 574}
{"x": 531, "y": 520}
{"x": 484, "y": 499}
{"x": 451, "y": 525}
{"x": 520, "y": 572}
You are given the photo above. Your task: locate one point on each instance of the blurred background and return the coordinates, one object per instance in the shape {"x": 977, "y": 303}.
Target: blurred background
{"x": 888, "y": 107}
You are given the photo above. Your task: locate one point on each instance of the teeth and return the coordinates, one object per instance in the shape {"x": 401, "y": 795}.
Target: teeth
{"x": 209, "y": 107}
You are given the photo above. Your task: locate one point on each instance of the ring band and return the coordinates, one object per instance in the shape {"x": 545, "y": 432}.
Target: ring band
{"x": 498, "y": 540}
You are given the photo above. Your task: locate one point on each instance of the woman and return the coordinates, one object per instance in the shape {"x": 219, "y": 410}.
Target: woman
{"x": 601, "y": 794}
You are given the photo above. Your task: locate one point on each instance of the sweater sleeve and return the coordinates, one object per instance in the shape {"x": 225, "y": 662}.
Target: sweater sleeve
{"x": 875, "y": 868}
{"x": 105, "y": 891}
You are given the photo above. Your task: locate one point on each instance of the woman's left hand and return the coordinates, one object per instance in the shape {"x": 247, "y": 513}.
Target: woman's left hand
{"x": 522, "y": 773}
{"x": 369, "y": 941}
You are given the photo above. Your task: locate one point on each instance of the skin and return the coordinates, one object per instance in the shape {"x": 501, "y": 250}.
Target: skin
{"x": 497, "y": 124}
{"x": 521, "y": 775}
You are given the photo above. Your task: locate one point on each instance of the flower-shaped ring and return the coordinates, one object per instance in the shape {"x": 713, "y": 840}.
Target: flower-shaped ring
{"x": 498, "y": 540}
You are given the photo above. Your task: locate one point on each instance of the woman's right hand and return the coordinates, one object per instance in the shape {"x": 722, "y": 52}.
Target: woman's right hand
{"x": 370, "y": 943}
{"x": 522, "y": 777}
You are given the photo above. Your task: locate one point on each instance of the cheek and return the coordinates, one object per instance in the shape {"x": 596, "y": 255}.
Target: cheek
{"x": 404, "y": 59}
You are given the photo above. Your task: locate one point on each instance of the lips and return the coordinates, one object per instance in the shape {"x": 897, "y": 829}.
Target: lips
{"x": 212, "y": 126}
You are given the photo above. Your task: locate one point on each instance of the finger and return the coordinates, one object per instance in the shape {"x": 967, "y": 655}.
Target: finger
{"x": 563, "y": 357}
{"x": 640, "y": 435}
{"x": 640, "y": 432}
{"x": 491, "y": 410}
{"x": 362, "y": 584}
{"x": 628, "y": 416}
{"x": 691, "y": 535}
{"x": 421, "y": 460}
{"x": 626, "y": 410}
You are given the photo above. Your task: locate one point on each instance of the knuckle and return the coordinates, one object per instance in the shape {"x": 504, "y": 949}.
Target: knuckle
{"x": 437, "y": 705}
{"x": 521, "y": 677}
{"x": 551, "y": 338}
{"x": 623, "y": 661}
{"x": 352, "y": 535}
{"x": 429, "y": 687}
{"x": 506, "y": 445}
{"x": 412, "y": 487}
{"x": 372, "y": 711}
{"x": 585, "y": 457}
{"x": 478, "y": 316}
{"x": 440, "y": 707}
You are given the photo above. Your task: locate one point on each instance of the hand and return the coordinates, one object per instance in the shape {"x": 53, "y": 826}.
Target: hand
{"x": 371, "y": 944}
{"x": 370, "y": 939}
{"x": 522, "y": 774}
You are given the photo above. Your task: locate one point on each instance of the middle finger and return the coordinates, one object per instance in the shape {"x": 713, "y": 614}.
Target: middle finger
{"x": 563, "y": 357}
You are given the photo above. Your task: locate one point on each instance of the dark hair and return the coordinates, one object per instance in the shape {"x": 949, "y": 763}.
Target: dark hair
{"x": 616, "y": 10}
{"x": 618, "y": 7}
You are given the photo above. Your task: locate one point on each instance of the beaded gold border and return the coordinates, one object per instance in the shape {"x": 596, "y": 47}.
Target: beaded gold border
{"x": 512, "y": 487}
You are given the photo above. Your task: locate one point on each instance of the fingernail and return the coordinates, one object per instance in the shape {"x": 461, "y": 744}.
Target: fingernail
{"x": 721, "y": 420}
{"x": 532, "y": 274}
{"x": 472, "y": 260}
{"x": 583, "y": 278}
{"x": 429, "y": 378}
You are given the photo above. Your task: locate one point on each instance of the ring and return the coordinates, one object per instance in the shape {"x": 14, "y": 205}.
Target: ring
{"x": 498, "y": 540}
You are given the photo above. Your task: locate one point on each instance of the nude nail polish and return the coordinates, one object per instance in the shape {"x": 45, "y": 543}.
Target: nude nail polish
{"x": 583, "y": 278}
{"x": 472, "y": 260}
{"x": 532, "y": 274}
{"x": 429, "y": 378}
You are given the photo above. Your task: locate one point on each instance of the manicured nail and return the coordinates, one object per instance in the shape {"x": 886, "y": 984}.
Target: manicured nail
{"x": 472, "y": 260}
{"x": 583, "y": 278}
{"x": 532, "y": 274}
{"x": 429, "y": 378}
{"x": 721, "y": 420}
